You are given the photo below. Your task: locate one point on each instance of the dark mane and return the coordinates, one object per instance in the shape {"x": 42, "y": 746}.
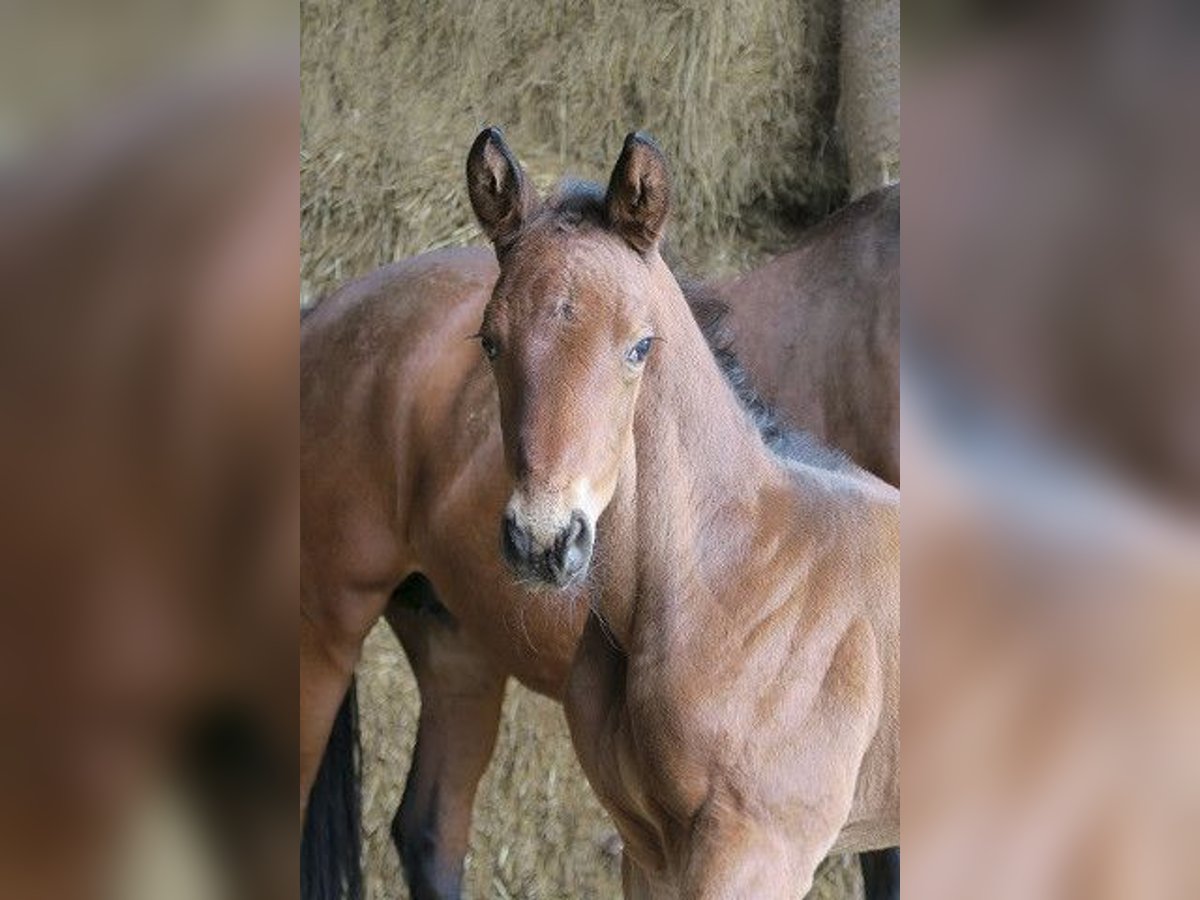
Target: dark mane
{"x": 574, "y": 202}
{"x": 710, "y": 312}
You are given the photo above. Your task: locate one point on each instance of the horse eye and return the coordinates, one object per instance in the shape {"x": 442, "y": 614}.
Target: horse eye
{"x": 489, "y": 347}
{"x": 637, "y": 353}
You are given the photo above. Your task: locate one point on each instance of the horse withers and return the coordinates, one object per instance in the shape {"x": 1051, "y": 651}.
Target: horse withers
{"x": 734, "y": 697}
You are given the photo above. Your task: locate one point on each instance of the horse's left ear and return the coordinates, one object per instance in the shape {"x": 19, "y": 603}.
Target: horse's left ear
{"x": 639, "y": 193}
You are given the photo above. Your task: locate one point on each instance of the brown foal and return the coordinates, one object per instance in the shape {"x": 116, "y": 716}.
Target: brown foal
{"x": 404, "y": 483}
{"x": 734, "y": 698}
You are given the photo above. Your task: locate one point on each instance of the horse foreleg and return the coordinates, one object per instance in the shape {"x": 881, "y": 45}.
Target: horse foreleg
{"x": 731, "y": 857}
{"x": 462, "y": 693}
{"x": 637, "y": 884}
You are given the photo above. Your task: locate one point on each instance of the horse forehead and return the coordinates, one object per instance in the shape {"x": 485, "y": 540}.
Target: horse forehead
{"x": 579, "y": 267}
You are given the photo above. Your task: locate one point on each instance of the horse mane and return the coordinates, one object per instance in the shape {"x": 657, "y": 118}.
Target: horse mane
{"x": 711, "y": 313}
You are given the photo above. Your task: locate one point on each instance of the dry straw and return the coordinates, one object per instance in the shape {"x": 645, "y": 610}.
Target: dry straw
{"x": 870, "y": 92}
{"x": 737, "y": 92}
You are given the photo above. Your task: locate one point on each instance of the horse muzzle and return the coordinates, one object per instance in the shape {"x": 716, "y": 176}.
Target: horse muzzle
{"x": 559, "y": 558}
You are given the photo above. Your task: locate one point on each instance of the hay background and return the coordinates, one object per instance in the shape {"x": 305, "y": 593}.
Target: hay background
{"x": 743, "y": 95}
{"x": 869, "y": 105}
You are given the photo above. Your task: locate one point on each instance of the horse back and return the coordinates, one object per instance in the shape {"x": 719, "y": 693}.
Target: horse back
{"x": 380, "y": 361}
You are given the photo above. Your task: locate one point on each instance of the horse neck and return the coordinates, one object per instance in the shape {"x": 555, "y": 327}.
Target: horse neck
{"x": 687, "y": 501}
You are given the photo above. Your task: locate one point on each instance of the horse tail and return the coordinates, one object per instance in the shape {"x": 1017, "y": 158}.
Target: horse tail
{"x": 330, "y": 868}
{"x": 881, "y": 874}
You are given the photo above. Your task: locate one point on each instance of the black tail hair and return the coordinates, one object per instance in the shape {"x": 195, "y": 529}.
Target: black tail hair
{"x": 330, "y": 868}
{"x": 881, "y": 874}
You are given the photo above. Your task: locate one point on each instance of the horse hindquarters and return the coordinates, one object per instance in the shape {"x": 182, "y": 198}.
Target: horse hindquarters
{"x": 462, "y": 694}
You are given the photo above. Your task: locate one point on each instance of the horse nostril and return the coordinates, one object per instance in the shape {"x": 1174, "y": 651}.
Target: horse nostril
{"x": 515, "y": 541}
{"x": 580, "y": 533}
{"x": 577, "y": 544}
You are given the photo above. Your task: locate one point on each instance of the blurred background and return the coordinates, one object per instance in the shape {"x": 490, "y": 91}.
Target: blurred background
{"x": 1051, "y": 450}
{"x": 772, "y": 113}
{"x": 148, "y": 500}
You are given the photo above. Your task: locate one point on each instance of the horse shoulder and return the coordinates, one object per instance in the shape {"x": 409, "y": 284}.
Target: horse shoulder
{"x": 363, "y": 349}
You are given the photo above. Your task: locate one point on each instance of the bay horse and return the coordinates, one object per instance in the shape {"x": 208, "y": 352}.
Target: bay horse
{"x": 734, "y": 697}
{"x": 388, "y": 465}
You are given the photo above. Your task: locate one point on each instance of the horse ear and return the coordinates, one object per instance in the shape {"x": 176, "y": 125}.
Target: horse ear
{"x": 500, "y": 193}
{"x": 639, "y": 193}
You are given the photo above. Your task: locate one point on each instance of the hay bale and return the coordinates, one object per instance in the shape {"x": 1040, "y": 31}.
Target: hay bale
{"x": 870, "y": 92}
{"x": 395, "y": 90}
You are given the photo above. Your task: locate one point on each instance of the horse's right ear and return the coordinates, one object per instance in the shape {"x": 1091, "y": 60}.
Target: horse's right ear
{"x": 639, "y": 193}
{"x": 500, "y": 193}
